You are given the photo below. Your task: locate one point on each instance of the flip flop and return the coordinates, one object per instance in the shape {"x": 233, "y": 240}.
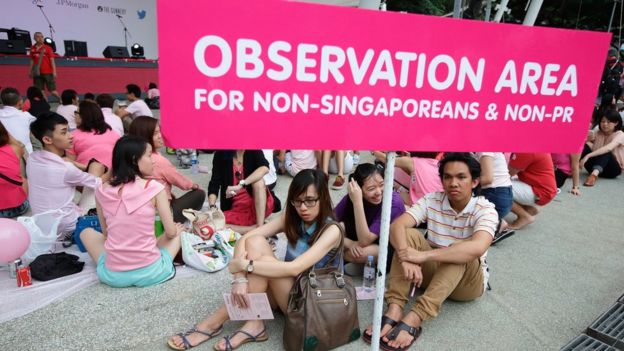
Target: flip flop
{"x": 261, "y": 336}
{"x": 500, "y": 236}
{"x": 384, "y": 321}
{"x": 414, "y": 332}
{"x": 187, "y": 344}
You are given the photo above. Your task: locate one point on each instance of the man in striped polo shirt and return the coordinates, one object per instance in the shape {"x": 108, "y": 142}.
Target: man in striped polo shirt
{"x": 449, "y": 263}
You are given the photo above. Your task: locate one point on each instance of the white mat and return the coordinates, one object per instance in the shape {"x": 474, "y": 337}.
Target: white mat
{"x": 16, "y": 302}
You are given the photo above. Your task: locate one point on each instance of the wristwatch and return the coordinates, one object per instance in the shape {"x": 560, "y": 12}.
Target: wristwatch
{"x": 250, "y": 267}
{"x": 242, "y": 182}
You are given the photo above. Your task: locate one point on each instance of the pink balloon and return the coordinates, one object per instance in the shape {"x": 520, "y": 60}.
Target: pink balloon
{"x": 14, "y": 240}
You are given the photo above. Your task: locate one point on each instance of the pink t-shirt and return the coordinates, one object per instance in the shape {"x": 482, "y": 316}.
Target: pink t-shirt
{"x": 425, "y": 178}
{"x": 88, "y": 145}
{"x": 166, "y": 174}
{"x": 562, "y": 162}
{"x": 129, "y": 216}
{"x": 13, "y": 195}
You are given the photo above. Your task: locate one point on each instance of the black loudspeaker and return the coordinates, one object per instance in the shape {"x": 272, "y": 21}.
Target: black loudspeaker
{"x": 116, "y": 52}
{"x": 76, "y": 48}
{"x": 12, "y": 47}
{"x": 21, "y": 34}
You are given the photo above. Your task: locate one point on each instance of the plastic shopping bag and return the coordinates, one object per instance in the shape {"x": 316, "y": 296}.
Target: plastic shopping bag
{"x": 202, "y": 254}
{"x": 42, "y": 228}
{"x": 205, "y": 224}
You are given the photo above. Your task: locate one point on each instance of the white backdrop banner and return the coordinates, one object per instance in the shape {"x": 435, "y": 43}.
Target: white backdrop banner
{"x": 93, "y": 21}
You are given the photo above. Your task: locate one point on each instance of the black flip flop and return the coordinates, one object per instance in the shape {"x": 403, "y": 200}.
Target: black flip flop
{"x": 384, "y": 321}
{"x": 414, "y": 332}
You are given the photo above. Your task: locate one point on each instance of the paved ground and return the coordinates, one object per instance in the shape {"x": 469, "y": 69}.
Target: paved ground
{"x": 549, "y": 282}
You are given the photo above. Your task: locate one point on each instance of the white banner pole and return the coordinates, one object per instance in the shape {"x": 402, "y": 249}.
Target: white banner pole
{"x": 384, "y": 236}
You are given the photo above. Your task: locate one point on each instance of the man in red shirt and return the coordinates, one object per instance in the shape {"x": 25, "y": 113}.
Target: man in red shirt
{"x": 42, "y": 68}
{"x": 535, "y": 185}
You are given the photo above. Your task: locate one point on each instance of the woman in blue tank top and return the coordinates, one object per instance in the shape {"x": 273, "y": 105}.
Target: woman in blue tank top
{"x": 255, "y": 269}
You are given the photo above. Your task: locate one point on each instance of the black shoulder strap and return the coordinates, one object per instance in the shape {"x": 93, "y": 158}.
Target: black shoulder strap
{"x": 12, "y": 181}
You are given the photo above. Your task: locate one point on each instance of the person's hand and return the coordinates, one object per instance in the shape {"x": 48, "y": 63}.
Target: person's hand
{"x": 239, "y": 294}
{"x": 232, "y": 190}
{"x": 411, "y": 255}
{"x": 355, "y": 192}
{"x": 195, "y": 186}
{"x": 96, "y": 168}
{"x": 179, "y": 229}
{"x": 575, "y": 191}
{"x": 237, "y": 265}
{"x": 54, "y": 74}
{"x": 356, "y": 251}
{"x": 582, "y": 162}
{"x": 412, "y": 272}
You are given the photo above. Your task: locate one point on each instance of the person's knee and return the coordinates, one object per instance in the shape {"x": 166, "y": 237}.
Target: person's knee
{"x": 252, "y": 246}
{"x": 259, "y": 185}
{"x": 87, "y": 233}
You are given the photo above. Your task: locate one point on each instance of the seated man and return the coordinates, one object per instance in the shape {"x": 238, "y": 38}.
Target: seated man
{"x": 536, "y": 185}
{"x": 52, "y": 180}
{"x": 68, "y": 107}
{"x": 449, "y": 263}
{"x": 16, "y": 122}
{"x": 136, "y": 108}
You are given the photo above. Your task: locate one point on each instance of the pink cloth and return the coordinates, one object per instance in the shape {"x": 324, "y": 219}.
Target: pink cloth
{"x": 88, "y": 145}
{"x": 12, "y": 195}
{"x": 618, "y": 152}
{"x": 129, "y": 216}
{"x": 52, "y": 185}
{"x": 562, "y": 163}
{"x": 166, "y": 174}
{"x": 425, "y": 178}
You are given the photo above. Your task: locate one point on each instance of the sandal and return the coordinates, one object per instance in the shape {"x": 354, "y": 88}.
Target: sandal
{"x": 414, "y": 332}
{"x": 261, "y": 336}
{"x": 384, "y": 321}
{"x": 187, "y": 344}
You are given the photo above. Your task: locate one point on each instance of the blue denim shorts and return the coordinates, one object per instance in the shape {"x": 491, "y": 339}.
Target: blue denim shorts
{"x": 501, "y": 197}
{"x": 15, "y": 211}
{"x": 155, "y": 273}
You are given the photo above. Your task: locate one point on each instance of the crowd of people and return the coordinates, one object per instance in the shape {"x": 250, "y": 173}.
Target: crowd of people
{"x": 447, "y": 208}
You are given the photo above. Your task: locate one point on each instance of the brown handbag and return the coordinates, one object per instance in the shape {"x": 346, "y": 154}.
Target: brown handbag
{"x": 322, "y": 309}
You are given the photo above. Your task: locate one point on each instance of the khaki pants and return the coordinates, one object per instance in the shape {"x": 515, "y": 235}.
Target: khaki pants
{"x": 460, "y": 282}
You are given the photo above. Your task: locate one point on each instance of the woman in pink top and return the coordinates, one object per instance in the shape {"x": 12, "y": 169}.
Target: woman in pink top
{"x": 420, "y": 169}
{"x": 165, "y": 172}
{"x": 605, "y": 157}
{"x": 127, "y": 252}
{"x": 13, "y": 186}
{"x": 93, "y": 138}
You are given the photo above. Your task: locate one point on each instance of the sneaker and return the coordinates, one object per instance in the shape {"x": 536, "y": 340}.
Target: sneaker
{"x": 338, "y": 183}
{"x": 502, "y": 235}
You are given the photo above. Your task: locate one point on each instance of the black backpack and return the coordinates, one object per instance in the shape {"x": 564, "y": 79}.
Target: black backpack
{"x": 51, "y": 266}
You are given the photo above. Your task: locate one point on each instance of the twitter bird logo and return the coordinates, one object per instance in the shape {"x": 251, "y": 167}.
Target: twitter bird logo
{"x": 141, "y": 14}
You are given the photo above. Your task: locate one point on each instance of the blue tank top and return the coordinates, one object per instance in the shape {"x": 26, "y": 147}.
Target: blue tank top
{"x": 302, "y": 246}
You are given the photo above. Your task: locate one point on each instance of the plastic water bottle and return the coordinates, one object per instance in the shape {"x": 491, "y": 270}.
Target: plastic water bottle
{"x": 194, "y": 163}
{"x": 369, "y": 274}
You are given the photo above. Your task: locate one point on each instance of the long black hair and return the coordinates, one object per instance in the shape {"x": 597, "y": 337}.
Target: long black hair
{"x": 126, "y": 154}
{"x": 361, "y": 173}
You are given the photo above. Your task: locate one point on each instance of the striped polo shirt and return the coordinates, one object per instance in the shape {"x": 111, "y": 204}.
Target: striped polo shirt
{"x": 445, "y": 226}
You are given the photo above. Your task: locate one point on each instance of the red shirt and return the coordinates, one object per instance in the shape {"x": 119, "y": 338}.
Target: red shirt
{"x": 47, "y": 53}
{"x": 536, "y": 170}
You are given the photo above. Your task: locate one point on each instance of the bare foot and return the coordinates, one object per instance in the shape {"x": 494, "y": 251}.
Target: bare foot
{"x": 532, "y": 210}
{"x": 394, "y": 312}
{"x": 522, "y": 222}
{"x": 255, "y": 328}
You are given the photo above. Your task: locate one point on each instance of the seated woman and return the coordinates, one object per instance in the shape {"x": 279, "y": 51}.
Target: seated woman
{"x": 308, "y": 215}
{"x": 165, "y": 172}
{"x": 360, "y": 211}
{"x": 127, "y": 252}
{"x": 93, "y": 137}
{"x": 13, "y": 186}
{"x": 605, "y": 157}
{"x": 496, "y": 187}
{"x": 421, "y": 170}
{"x": 566, "y": 166}
{"x": 237, "y": 178}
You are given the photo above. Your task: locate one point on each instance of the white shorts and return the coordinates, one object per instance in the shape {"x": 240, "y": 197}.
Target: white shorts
{"x": 523, "y": 193}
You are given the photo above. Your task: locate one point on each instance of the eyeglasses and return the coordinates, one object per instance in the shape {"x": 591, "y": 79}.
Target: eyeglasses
{"x": 307, "y": 202}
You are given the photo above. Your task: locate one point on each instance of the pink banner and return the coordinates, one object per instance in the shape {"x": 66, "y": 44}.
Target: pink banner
{"x": 242, "y": 74}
